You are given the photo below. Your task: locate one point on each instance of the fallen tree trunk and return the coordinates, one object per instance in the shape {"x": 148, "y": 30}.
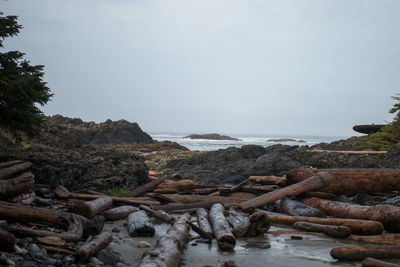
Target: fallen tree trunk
{"x": 200, "y": 198}
{"x": 222, "y": 232}
{"x": 7, "y": 240}
{"x": 317, "y": 181}
{"x": 95, "y": 245}
{"x": 17, "y": 185}
{"x": 147, "y": 187}
{"x": 185, "y": 206}
{"x": 254, "y": 189}
{"x": 119, "y": 213}
{"x": 167, "y": 252}
{"x": 295, "y": 208}
{"x": 62, "y": 192}
{"x": 331, "y": 230}
{"x": 388, "y": 215}
{"x": 352, "y": 181}
{"x": 159, "y": 214}
{"x": 90, "y": 209}
{"x": 13, "y": 170}
{"x": 181, "y": 185}
{"x": 387, "y": 239}
{"x": 360, "y": 253}
{"x": 362, "y": 227}
{"x": 203, "y": 220}
{"x": 371, "y": 262}
{"x": 139, "y": 224}
{"x": 268, "y": 179}
{"x": 254, "y": 225}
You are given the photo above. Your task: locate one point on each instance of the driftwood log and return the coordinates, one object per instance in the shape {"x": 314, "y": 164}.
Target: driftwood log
{"x": 7, "y": 240}
{"x": 119, "y": 213}
{"x": 174, "y": 186}
{"x": 12, "y": 170}
{"x": 147, "y": 187}
{"x": 360, "y": 253}
{"x": 339, "y": 231}
{"x": 185, "y": 206}
{"x": 254, "y": 225}
{"x": 159, "y": 214}
{"x": 201, "y": 198}
{"x": 221, "y": 228}
{"x": 91, "y": 208}
{"x": 95, "y": 245}
{"x": 371, "y": 262}
{"x": 388, "y": 215}
{"x": 200, "y": 231}
{"x": 315, "y": 182}
{"x": 352, "y": 181}
{"x": 268, "y": 179}
{"x": 203, "y": 220}
{"x": 139, "y": 224}
{"x": 295, "y": 208}
{"x": 17, "y": 185}
{"x": 387, "y": 239}
{"x": 362, "y": 227}
{"x": 167, "y": 252}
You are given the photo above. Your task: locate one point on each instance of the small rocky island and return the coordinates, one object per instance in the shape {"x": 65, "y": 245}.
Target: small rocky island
{"x": 212, "y": 136}
{"x": 286, "y": 140}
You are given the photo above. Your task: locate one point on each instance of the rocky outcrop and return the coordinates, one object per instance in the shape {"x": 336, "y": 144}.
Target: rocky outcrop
{"x": 212, "y": 136}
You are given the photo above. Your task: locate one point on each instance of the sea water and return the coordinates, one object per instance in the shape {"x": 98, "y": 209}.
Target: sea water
{"x": 262, "y": 140}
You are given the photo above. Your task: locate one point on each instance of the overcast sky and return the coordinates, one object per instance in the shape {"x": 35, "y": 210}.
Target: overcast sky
{"x": 310, "y": 67}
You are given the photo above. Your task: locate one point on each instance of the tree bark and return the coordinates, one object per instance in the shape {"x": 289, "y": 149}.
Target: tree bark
{"x": 95, "y": 245}
{"x": 222, "y": 232}
{"x": 181, "y": 185}
{"x": 139, "y": 224}
{"x": 147, "y": 187}
{"x": 388, "y": 215}
{"x": 386, "y": 239}
{"x": 371, "y": 262}
{"x": 90, "y": 209}
{"x": 268, "y": 179}
{"x": 295, "y": 208}
{"x": 200, "y": 198}
{"x": 13, "y": 170}
{"x": 331, "y": 230}
{"x": 159, "y": 214}
{"x": 315, "y": 182}
{"x": 256, "y": 224}
{"x": 167, "y": 252}
{"x": 200, "y": 231}
{"x": 119, "y": 213}
{"x": 17, "y": 185}
{"x": 185, "y": 206}
{"x": 203, "y": 220}
{"x": 352, "y": 181}
{"x": 362, "y": 227}
{"x": 7, "y": 240}
{"x": 360, "y": 253}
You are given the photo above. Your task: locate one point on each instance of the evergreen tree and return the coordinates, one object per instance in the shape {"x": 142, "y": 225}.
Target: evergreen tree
{"x": 21, "y": 86}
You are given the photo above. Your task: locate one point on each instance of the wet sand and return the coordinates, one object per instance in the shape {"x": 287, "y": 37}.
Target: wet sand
{"x": 267, "y": 250}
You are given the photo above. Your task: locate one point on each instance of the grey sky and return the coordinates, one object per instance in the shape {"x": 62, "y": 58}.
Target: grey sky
{"x": 314, "y": 67}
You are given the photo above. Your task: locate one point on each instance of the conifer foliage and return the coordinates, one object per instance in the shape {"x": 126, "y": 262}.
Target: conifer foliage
{"x": 22, "y": 87}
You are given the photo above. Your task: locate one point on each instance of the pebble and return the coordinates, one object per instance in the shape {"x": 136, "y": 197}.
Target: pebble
{"x": 296, "y": 237}
{"x": 32, "y": 247}
{"x": 120, "y": 264}
{"x": 18, "y": 250}
{"x": 95, "y": 261}
{"x": 115, "y": 230}
{"x": 154, "y": 253}
{"x": 143, "y": 244}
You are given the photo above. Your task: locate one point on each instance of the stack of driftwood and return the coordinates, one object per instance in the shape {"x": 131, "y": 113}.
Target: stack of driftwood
{"x": 303, "y": 199}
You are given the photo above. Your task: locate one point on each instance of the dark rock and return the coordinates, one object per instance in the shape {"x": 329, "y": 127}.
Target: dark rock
{"x": 212, "y": 136}
{"x": 364, "y": 199}
{"x": 108, "y": 256}
{"x": 93, "y": 226}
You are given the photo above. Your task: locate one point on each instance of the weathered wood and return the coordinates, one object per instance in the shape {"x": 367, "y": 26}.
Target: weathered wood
{"x": 58, "y": 250}
{"x": 331, "y": 230}
{"x": 62, "y": 192}
{"x": 51, "y": 240}
{"x": 13, "y": 170}
{"x": 360, "y": 253}
{"x": 295, "y": 208}
{"x": 167, "y": 252}
{"x": 180, "y": 185}
{"x": 388, "y": 215}
{"x": 159, "y": 214}
{"x": 352, "y": 181}
{"x": 200, "y": 231}
{"x": 371, "y": 262}
{"x": 315, "y": 182}
{"x": 239, "y": 185}
{"x": 256, "y": 224}
{"x": 7, "y": 240}
{"x": 201, "y": 198}
{"x": 119, "y": 213}
{"x": 362, "y": 227}
{"x": 185, "y": 206}
{"x": 139, "y": 224}
{"x": 222, "y": 232}
{"x": 386, "y": 239}
{"x": 295, "y": 232}
{"x": 17, "y": 185}
{"x": 95, "y": 245}
{"x": 324, "y": 195}
{"x": 91, "y": 208}
{"x": 147, "y": 187}
{"x": 203, "y": 220}
{"x": 268, "y": 179}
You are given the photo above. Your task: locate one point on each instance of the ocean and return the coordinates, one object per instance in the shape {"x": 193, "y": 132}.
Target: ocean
{"x": 262, "y": 140}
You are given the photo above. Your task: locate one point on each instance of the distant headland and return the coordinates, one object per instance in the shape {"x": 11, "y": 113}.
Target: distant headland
{"x": 212, "y": 136}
